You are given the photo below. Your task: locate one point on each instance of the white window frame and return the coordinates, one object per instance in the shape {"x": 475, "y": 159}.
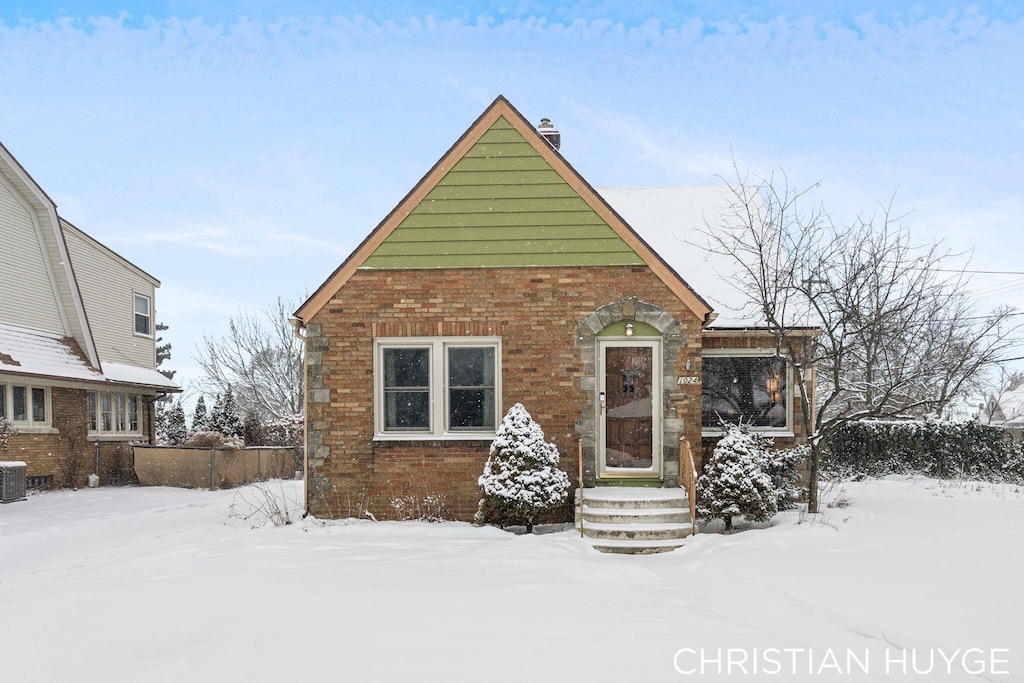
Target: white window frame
{"x": 94, "y": 414}
{"x": 787, "y": 431}
{"x": 438, "y": 387}
{"x": 149, "y": 315}
{"x": 30, "y": 423}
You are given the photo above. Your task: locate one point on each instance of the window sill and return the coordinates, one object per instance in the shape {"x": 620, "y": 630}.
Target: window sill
{"x": 128, "y": 436}
{"x": 30, "y": 429}
{"x": 782, "y": 434}
{"x": 434, "y": 437}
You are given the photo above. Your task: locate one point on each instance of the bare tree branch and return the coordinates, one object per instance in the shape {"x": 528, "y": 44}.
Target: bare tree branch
{"x": 260, "y": 358}
{"x": 898, "y": 335}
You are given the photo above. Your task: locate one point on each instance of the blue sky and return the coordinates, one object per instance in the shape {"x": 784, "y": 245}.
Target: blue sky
{"x": 239, "y": 150}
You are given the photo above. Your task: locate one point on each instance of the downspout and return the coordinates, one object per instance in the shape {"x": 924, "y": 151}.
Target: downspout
{"x": 298, "y": 328}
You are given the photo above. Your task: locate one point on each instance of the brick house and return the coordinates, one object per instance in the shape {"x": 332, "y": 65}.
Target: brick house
{"x": 77, "y": 342}
{"x": 504, "y": 277}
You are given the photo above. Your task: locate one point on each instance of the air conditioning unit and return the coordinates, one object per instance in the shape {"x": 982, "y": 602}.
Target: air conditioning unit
{"x": 12, "y": 481}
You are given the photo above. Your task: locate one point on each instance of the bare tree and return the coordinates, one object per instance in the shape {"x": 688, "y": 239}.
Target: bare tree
{"x": 886, "y": 328}
{"x": 260, "y": 358}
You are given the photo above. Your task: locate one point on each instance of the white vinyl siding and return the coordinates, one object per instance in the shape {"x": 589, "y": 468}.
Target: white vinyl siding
{"x": 27, "y": 298}
{"x": 109, "y": 286}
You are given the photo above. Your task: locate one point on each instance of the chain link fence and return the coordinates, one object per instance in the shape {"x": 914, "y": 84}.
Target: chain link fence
{"x": 213, "y": 468}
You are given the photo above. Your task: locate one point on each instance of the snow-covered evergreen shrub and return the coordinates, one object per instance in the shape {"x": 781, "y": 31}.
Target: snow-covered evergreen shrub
{"x": 228, "y": 422}
{"x": 734, "y": 483}
{"x": 521, "y": 476}
{"x": 782, "y": 466}
{"x": 200, "y": 418}
{"x": 252, "y": 429}
{"x": 934, "y": 448}
{"x": 175, "y": 431}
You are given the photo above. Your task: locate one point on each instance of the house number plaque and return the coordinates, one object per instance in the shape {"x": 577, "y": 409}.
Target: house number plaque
{"x": 688, "y": 380}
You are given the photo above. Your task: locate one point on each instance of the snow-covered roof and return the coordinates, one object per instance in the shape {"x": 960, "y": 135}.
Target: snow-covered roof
{"x": 670, "y": 219}
{"x": 1005, "y": 410}
{"x": 43, "y": 354}
{"x": 132, "y": 374}
{"x": 31, "y": 352}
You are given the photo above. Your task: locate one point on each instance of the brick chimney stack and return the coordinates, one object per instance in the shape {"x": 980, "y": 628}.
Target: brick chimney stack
{"x": 550, "y": 133}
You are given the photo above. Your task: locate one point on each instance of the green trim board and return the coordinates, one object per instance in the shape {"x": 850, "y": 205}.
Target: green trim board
{"x": 501, "y": 205}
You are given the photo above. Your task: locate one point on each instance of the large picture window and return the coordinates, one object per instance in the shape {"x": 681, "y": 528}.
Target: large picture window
{"x": 437, "y": 387}
{"x": 752, "y": 389}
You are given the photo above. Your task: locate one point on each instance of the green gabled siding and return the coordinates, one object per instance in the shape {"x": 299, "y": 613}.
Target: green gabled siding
{"x": 502, "y": 205}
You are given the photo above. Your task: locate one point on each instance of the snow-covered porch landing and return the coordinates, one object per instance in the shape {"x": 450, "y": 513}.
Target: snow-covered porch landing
{"x": 634, "y": 520}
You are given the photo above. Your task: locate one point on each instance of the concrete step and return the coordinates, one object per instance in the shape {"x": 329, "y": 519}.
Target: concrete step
{"x": 637, "y": 532}
{"x": 628, "y": 547}
{"x": 598, "y": 515}
{"x": 632, "y": 498}
{"x": 634, "y": 520}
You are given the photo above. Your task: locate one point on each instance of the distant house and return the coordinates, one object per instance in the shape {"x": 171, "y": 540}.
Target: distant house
{"x": 77, "y": 340}
{"x": 503, "y": 277}
{"x": 1005, "y": 409}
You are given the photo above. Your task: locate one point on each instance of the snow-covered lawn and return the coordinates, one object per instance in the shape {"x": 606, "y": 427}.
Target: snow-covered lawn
{"x": 156, "y": 584}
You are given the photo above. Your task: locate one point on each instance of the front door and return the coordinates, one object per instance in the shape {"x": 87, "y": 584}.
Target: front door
{"x": 629, "y": 407}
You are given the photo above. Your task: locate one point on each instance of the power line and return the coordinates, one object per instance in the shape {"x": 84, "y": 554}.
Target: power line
{"x": 980, "y": 272}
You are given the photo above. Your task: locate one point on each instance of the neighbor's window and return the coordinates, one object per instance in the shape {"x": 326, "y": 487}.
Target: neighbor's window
{"x": 90, "y": 409}
{"x": 118, "y": 413}
{"x": 748, "y": 389}
{"x": 106, "y": 413}
{"x": 25, "y": 405}
{"x": 428, "y": 387}
{"x": 143, "y": 315}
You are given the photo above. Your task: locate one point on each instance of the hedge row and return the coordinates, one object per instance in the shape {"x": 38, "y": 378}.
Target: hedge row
{"x": 934, "y": 448}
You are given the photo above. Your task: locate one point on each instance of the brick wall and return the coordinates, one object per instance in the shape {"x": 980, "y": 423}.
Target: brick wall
{"x": 46, "y": 454}
{"x": 535, "y": 311}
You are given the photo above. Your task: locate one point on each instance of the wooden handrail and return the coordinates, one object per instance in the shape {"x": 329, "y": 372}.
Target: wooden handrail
{"x": 580, "y": 485}
{"x": 688, "y": 479}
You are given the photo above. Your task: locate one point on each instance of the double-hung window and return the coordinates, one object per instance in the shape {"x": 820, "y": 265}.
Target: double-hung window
{"x": 437, "y": 387}
{"x": 143, "y": 315}
{"x": 747, "y": 386}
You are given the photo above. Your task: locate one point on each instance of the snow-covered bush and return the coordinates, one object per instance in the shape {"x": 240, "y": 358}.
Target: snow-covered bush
{"x": 6, "y": 429}
{"x": 215, "y": 440}
{"x": 521, "y": 476}
{"x": 933, "y": 448}
{"x": 734, "y": 483}
{"x": 200, "y": 419}
{"x": 782, "y": 466}
{"x": 224, "y": 416}
{"x": 283, "y": 431}
{"x": 175, "y": 429}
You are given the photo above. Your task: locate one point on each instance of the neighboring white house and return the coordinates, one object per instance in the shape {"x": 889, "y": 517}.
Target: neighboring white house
{"x": 78, "y": 370}
{"x": 1005, "y": 409}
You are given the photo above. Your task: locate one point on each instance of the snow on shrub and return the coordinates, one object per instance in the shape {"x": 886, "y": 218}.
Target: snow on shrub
{"x": 521, "y": 476}
{"x": 734, "y": 483}
{"x": 215, "y": 440}
{"x": 933, "y": 448}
